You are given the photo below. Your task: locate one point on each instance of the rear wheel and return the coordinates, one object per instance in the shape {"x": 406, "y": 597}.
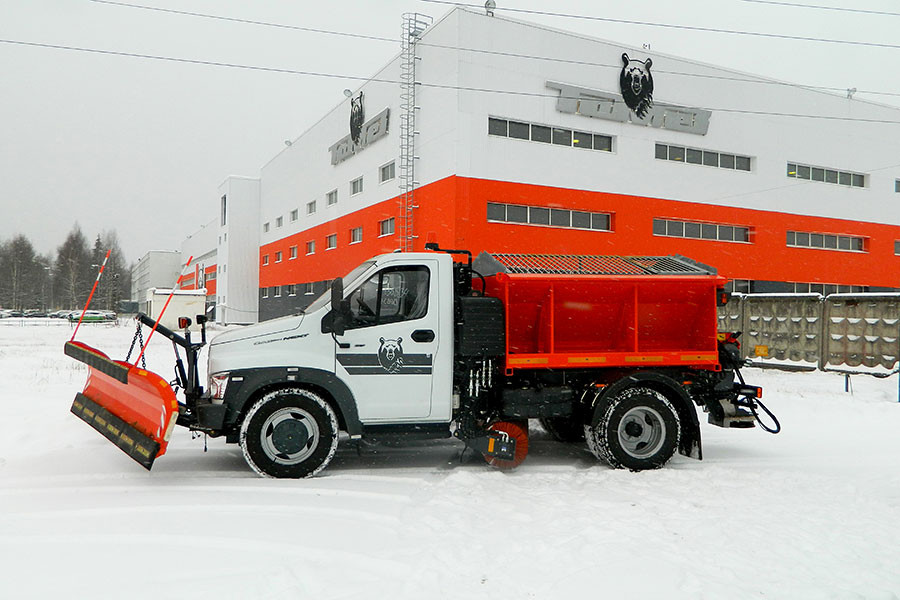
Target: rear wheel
{"x": 638, "y": 429}
{"x": 290, "y": 433}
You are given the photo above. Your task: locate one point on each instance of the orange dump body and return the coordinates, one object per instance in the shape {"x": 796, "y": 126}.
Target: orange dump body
{"x": 133, "y": 408}
{"x": 578, "y": 321}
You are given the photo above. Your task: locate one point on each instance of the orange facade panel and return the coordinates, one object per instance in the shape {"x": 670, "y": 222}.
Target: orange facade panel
{"x": 453, "y": 212}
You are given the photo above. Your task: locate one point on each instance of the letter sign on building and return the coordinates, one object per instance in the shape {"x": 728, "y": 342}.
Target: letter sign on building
{"x": 362, "y": 132}
{"x": 577, "y": 100}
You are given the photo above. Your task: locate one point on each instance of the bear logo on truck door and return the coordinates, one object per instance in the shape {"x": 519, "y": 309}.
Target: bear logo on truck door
{"x": 390, "y": 355}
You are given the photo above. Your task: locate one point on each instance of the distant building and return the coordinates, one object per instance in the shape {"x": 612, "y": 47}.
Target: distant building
{"x": 533, "y": 140}
{"x": 156, "y": 269}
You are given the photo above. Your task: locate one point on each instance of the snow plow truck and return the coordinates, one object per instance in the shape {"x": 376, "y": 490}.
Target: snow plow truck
{"x": 615, "y": 352}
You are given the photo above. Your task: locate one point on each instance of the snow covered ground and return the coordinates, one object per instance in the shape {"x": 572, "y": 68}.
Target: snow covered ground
{"x": 811, "y": 513}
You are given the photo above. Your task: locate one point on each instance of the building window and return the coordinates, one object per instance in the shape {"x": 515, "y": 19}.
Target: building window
{"x": 308, "y": 289}
{"x": 826, "y": 175}
{"x": 278, "y": 256}
{"x": 827, "y": 288}
{"x": 386, "y": 227}
{"x": 279, "y": 222}
{"x": 549, "y": 135}
{"x": 709, "y": 158}
{"x": 331, "y": 242}
{"x": 386, "y": 173}
{"x": 295, "y": 214}
{"x": 897, "y": 185}
{"x": 356, "y": 186}
{"x": 224, "y": 205}
{"x": 701, "y": 231}
{"x": 310, "y": 247}
{"x": 265, "y": 259}
{"x": 291, "y": 290}
{"x": 276, "y": 291}
{"x": 311, "y": 207}
{"x": 293, "y": 251}
{"x": 265, "y": 228}
{"x": 265, "y": 292}
{"x": 356, "y": 235}
{"x": 897, "y": 247}
{"x": 551, "y": 217}
{"x": 825, "y": 241}
{"x": 331, "y": 198}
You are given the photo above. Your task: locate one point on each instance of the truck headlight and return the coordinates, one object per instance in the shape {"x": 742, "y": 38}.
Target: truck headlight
{"x": 217, "y": 384}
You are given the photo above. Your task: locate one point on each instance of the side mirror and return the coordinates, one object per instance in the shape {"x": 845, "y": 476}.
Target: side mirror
{"x": 340, "y": 309}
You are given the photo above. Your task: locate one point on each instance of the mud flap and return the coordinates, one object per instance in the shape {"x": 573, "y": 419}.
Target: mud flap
{"x": 133, "y": 408}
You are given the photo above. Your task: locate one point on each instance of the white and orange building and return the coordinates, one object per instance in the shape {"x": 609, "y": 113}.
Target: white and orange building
{"x": 523, "y": 143}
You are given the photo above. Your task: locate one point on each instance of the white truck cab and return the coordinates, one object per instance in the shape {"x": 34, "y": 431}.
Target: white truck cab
{"x": 391, "y": 365}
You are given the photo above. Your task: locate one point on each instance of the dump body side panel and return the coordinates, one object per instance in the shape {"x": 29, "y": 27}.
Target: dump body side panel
{"x": 585, "y": 321}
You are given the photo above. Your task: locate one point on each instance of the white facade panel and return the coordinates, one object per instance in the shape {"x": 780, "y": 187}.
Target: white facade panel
{"x": 772, "y": 140}
{"x": 237, "y": 275}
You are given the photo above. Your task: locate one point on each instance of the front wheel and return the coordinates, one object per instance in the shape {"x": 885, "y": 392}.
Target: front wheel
{"x": 289, "y": 433}
{"x": 638, "y": 429}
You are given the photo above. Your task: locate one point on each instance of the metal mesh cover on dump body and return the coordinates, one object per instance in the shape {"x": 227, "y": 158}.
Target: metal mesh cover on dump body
{"x": 574, "y": 264}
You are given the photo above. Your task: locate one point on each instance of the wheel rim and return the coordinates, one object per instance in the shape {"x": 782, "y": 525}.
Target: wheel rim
{"x": 289, "y": 435}
{"x": 642, "y": 432}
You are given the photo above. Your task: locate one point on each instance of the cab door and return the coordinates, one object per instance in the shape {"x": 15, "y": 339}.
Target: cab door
{"x": 387, "y": 353}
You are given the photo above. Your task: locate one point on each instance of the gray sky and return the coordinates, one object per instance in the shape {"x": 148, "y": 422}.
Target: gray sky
{"x": 140, "y": 145}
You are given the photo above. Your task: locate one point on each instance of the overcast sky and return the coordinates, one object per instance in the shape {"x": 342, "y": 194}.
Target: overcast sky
{"x": 140, "y": 145}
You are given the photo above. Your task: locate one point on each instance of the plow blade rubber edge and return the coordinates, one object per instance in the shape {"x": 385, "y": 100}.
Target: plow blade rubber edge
{"x": 133, "y": 408}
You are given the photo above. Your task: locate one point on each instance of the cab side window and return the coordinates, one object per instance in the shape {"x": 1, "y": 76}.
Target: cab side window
{"x": 389, "y": 296}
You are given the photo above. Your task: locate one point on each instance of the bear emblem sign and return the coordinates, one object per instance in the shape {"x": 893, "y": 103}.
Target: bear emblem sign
{"x": 636, "y": 84}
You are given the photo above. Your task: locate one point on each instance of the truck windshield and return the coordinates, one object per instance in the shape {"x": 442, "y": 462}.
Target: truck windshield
{"x": 351, "y": 277}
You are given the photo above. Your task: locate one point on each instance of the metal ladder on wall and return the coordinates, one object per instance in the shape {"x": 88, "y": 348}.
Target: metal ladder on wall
{"x": 414, "y": 24}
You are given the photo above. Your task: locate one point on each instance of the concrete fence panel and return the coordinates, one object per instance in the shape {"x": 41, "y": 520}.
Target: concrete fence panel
{"x": 862, "y": 332}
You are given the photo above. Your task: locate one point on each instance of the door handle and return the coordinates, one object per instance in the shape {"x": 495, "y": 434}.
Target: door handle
{"x": 422, "y": 335}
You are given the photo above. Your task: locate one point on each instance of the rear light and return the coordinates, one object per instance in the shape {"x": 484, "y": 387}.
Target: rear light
{"x": 217, "y": 384}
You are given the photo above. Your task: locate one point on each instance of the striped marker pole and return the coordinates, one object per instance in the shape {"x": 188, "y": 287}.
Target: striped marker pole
{"x": 93, "y": 289}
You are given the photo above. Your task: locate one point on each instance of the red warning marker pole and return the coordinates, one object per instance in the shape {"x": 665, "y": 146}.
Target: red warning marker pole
{"x": 93, "y": 289}
{"x": 163, "y": 311}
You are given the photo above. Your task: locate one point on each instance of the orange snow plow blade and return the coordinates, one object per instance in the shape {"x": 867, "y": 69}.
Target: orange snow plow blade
{"x": 133, "y": 408}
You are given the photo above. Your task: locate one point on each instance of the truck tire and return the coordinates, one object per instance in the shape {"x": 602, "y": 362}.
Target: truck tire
{"x": 289, "y": 433}
{"x": 638, "y": 429}
{"x": 564, "y": 429}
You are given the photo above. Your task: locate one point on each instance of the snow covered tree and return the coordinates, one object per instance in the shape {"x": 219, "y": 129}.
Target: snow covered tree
{"x": 72, "y": 277}
{"x": 20, "y": 274}
{"x": 115, "y": 285}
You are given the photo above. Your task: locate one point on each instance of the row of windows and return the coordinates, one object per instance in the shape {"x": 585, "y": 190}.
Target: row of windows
{"x": 549, "y": 135}
{"x": 385, "y": 227}
{"x": 385, "y": 173}
{"x": 552, "y": 217}
{"x": 708, "y": 158}
{"x": 701, "y": 231}
{"x": 724, "y": 160}
{"x": 565, "y": 218}
{"x": 289, "y": 290}
{"x": 749, "y": 286}
{"x": 826, "y": 175}
{"x": 803, "y": 239}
